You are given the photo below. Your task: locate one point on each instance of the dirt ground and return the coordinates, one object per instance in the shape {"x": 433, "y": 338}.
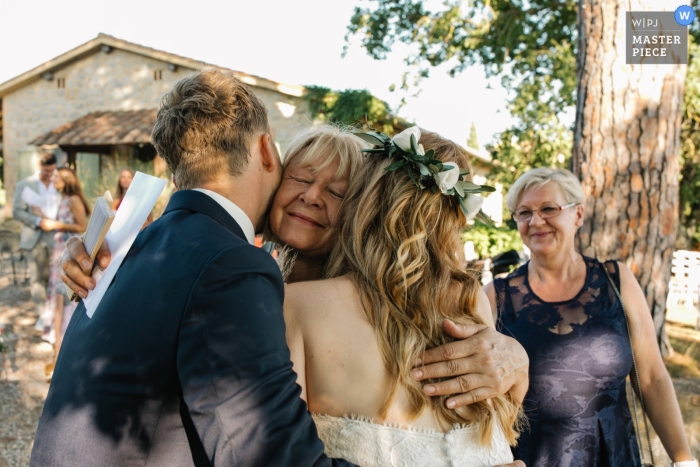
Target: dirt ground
{"x": 23, "y": 387}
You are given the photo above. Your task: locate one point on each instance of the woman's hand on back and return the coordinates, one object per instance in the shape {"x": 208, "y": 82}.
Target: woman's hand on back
{"x": 483, "y": 362}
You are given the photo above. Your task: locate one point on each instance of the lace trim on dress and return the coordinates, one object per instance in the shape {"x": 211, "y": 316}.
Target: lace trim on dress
{"x": 396, "y": 425}
{"x": 358, "y": 440}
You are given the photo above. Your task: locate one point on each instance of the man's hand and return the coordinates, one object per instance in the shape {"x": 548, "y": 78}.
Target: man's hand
{"x": 486, "y": 363}
{"x": 76, "y": 265}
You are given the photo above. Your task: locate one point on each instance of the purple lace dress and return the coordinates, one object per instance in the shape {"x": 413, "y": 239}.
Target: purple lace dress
{"x": 576, "y": 405}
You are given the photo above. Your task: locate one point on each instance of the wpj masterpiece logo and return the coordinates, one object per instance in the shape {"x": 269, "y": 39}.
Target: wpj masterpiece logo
{"x": 658, "y": 37}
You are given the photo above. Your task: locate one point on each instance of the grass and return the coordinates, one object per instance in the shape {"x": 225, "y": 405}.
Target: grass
{"x": 685, "y": 362}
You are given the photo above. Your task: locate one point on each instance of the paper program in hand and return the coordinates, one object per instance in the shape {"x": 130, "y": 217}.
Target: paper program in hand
{"x": 138, "y": 202}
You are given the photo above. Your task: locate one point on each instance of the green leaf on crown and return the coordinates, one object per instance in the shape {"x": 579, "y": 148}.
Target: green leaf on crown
{"x": 484, "y": 219}
{"x": 369, "y": 138}
{"x": 469, "y": 187}
{"x": 414, "y": 144}
{"x": 396, "y": 165}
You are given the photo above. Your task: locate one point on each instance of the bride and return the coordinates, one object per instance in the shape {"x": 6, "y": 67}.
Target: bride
{"x": 395, "y": 276}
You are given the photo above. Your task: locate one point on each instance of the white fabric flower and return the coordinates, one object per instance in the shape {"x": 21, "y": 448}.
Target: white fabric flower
{"x": 403, "y": 139}
{"x": 421, "y": 150}
{"x": 473, "y": 204}
{"x": 447, "y": 179}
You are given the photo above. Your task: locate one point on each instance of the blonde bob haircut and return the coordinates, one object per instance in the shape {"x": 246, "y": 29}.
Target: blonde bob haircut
{"x": 399, "y": 244}
{"x": 322, "y": 144}
{"x": 534, "y": 179}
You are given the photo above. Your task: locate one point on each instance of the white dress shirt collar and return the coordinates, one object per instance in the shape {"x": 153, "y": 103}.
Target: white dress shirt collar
{"x": 237, "y": 213}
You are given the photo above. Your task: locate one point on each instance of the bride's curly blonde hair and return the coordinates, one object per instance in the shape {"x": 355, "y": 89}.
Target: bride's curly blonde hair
{"x": 401, "y": 247}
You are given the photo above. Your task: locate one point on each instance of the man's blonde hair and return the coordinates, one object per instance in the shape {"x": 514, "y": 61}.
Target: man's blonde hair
{"x": 205, "y": 125}
{"x": 537, "y": 178}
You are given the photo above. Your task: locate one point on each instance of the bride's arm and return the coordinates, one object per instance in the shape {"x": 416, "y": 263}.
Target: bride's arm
{"x": 295, "y": 335}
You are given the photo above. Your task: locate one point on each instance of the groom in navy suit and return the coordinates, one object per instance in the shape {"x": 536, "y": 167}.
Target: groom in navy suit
{"x": 184, "y": 362}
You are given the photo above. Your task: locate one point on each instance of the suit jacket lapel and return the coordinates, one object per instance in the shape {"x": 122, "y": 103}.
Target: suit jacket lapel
{"x": 199, "y": 202}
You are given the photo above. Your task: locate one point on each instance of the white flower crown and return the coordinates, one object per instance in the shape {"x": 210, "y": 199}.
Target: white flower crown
{"x": 426, "y": 171}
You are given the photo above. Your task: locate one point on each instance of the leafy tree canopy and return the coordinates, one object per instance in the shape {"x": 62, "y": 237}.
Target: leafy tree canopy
{"x": 351, "y": 107}
{"x": 531, "y": 46}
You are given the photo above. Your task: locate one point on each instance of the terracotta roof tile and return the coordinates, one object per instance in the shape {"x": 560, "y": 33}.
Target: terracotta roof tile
{"x": 103, "y": 128}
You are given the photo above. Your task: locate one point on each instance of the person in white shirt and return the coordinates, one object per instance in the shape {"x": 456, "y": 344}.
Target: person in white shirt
{"x": 35, "y": 204}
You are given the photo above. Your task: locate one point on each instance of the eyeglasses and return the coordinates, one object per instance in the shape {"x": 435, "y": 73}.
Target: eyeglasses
{"x": 546, "y": 212}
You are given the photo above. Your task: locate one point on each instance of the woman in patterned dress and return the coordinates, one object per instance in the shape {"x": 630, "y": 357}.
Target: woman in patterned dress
{"x": 561, "y": 307}
{"x": 71, "y": 220}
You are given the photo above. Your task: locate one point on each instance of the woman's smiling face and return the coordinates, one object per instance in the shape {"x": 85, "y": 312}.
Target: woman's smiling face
{"x": 545, "y": 236}
{"x": 305, "y": 209}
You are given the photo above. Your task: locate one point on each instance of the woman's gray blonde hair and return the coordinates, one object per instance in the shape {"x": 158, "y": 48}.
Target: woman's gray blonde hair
{"x": 322, "y": 144}
{"x": 537, "y": 178}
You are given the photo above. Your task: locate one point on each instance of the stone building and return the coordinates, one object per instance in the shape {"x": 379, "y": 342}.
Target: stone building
{"x": 98, "y": 102}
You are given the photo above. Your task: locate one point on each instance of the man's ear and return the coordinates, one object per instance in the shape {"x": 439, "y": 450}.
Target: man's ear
{"x": 269, "y": 155}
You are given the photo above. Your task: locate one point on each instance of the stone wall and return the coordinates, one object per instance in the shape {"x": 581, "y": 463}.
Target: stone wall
{"x": 118, "y": 80}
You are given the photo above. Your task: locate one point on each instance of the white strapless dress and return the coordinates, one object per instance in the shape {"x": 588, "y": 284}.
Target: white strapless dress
{"x": 358, "y": 440}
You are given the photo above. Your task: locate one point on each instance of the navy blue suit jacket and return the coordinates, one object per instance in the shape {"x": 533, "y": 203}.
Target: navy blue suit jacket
{"x": 184, "y": 362}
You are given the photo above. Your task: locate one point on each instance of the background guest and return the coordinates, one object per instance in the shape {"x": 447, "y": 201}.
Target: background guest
{"x": 36, "y": 238}
{"x": 125, "y": 178}
{"x": 562, "y": 308}
{"x": 71, "y": 220}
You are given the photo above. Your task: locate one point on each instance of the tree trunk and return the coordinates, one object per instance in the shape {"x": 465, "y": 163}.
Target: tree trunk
{"x": 626, "y": 146}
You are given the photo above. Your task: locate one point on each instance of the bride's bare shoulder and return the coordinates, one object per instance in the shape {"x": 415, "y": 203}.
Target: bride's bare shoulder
{"x": 316, "y": 295}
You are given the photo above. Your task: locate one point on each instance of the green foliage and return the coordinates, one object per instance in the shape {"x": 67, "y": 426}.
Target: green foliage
{"x": 530, "y": 45}
{"x": 689, "y": 235}
{"x": 490, "y": 241}
{"x": 473, "y": 141}
{"x": 530, "y": 144}
{"x": 532, "y": 41}
{"x": 351, "y": 107}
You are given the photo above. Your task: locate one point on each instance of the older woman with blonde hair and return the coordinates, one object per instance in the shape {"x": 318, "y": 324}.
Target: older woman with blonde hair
{"x": 563, "y": 308}
{"x": 318, "y": 165}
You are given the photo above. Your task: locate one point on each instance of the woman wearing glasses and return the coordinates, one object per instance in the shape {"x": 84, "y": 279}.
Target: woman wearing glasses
{"x": 561, "y": 307}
